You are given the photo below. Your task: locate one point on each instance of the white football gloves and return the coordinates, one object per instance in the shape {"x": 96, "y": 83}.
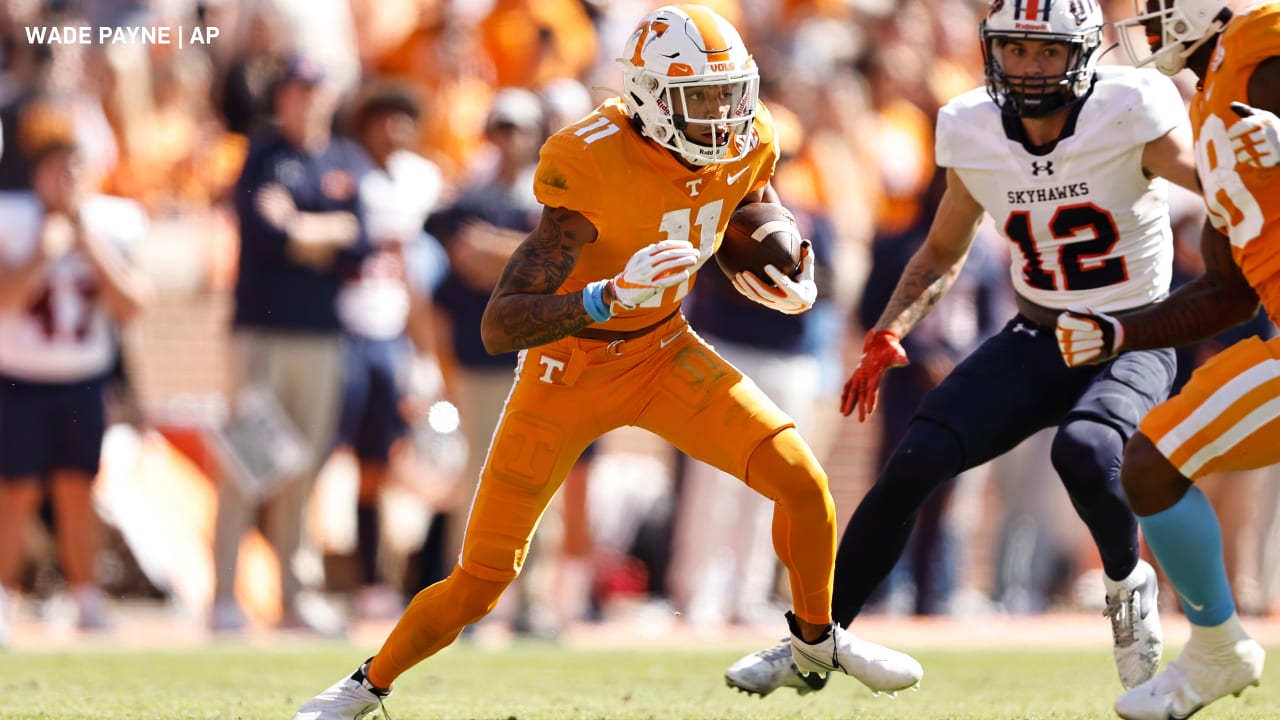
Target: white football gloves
{"x": 1086, "y": 336}
{"x": 790, "y": 296}
{"x": 652, "y": 269}
{"x": 1255, "y": 137}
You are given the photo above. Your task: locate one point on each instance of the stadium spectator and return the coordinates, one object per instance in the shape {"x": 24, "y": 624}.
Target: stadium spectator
{"x": 613, "y": 186}
{"x": 564, "y": 101}
{"x": 244, "y": 91}
{"x": 68, "y": 76}
{"x": 66, "y": 285}
{"x": 375, "y": 306}
{"x": 444, "y": 63}
{"x": 301, "y": 226}
{"x": 533, "y": 41}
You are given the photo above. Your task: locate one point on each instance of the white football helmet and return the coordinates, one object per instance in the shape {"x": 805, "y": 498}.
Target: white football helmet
{"x": 684, "y": 65}
{"x": 1075, "y": 22}
{"x": 1184, "y": 25}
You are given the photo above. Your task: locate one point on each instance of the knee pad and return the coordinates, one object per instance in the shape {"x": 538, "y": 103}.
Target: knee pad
{"x": 1086, "y": 451}
{"x": 467, "y": 598}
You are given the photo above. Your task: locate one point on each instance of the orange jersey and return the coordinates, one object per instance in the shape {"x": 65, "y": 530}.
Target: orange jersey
{"x": 1243, "y": 201}
{"x": 637, "y": 193}
{"x": 1223, "y": 419}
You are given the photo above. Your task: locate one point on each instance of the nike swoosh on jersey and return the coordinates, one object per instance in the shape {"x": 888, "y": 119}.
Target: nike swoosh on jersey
{"x": 663, "y": 342}
{"x": 732, "y": 178}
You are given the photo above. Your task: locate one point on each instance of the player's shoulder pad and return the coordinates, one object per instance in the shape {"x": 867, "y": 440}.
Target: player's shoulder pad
{"x": 764, "y": 138}
{"x": 764, "y": 125}
{"x": 1143, "y": 100}
{"x": 1252, "y": 35}
{"x": 574, "y": 160}
{"x": 967, "y": 126}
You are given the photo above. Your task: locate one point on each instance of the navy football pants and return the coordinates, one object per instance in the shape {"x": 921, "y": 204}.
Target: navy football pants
{"x": 1014, "y": 385}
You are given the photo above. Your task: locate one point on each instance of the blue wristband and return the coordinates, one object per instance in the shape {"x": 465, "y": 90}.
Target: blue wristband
{"x": 593, "y": 301}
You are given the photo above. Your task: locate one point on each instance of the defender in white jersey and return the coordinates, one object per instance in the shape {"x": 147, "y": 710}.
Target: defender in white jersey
{"x": 1068, "y": 161}
{"x": 65, "y": 283}
{"x": 1087, "y": 224}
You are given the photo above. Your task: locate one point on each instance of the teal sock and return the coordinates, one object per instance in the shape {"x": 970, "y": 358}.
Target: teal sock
{"x": 1187, "y": 541}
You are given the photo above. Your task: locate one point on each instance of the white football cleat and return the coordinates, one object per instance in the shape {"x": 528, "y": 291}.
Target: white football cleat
{"x": 876, "y": 666}
{"x": 1135, "y": 624}
{"x": 1198, "y": 677}
{"x": 760, "y": 673}
{"x": 351, "y": 698}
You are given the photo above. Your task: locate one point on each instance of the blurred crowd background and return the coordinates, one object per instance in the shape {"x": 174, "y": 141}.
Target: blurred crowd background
{"x": 470, "y": 88}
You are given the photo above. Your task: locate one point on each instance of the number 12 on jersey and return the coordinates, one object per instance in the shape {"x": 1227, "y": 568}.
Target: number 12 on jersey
{"x": 1081, "y": 262}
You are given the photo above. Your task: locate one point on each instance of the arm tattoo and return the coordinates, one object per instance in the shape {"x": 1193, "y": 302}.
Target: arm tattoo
{"x": 918, "y": 291}
{"x": 524, "y": 302}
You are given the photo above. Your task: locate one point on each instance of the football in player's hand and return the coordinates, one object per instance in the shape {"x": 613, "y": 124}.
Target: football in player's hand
{"x": 761, "y": 234}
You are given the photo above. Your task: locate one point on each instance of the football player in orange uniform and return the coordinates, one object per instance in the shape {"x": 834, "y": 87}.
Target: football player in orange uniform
{"x": 1228, "y": 414}
{"x": 636, "y": 198}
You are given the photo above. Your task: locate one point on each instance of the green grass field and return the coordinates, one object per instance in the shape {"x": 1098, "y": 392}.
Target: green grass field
{"x": 539, "y": 682}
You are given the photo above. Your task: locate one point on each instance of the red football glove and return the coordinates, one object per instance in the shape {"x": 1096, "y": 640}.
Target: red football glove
{"x": 880, "y": 351}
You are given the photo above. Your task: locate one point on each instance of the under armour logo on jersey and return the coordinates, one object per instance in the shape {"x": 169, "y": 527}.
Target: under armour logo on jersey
{"x": 1020, "y": 328}
{"x": 1046, "y": 168}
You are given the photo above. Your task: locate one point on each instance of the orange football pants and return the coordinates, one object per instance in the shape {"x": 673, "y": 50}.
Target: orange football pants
{"x": 571, "y": 392}
{"x": 1227, "y": 416}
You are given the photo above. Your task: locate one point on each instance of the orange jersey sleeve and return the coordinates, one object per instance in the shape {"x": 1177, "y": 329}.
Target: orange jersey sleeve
{"x": 636, "y": 193}
{"x": 1243, "y": 201}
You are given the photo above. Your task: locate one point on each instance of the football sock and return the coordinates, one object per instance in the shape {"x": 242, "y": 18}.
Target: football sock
{"x": 433, "y": 620}
{"x": 783, "y": 469}
{"x": 1187, "y": 541}
{"x": 1223, "y": 636}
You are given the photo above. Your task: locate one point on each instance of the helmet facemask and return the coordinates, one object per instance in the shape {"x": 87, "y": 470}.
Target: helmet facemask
{"x": 1077, "y": 23}
{"x": 687, "y": 66}
{"x": 1034, "y": 96}
{"x": 1184, "y": 26}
